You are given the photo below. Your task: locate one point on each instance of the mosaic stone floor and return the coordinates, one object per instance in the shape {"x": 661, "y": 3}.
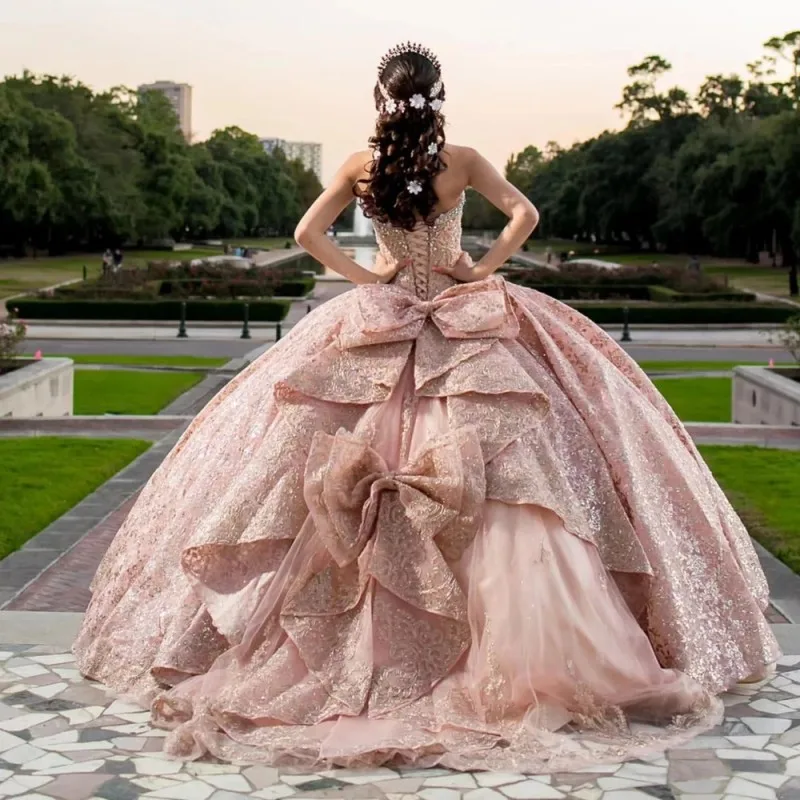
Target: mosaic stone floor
{"x": 64, "y": 739}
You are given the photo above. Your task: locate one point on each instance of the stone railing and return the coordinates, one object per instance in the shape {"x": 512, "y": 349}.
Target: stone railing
{"x": 764, "y": 396}
{"x": 42, "y": 388}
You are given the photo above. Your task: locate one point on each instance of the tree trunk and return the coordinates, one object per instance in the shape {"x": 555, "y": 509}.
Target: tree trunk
{"x": 790, "y": 260}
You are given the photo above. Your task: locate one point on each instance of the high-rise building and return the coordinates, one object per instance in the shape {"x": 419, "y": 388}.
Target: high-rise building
{"x": 308, "y": 153}
{"x": 180, "y": 97}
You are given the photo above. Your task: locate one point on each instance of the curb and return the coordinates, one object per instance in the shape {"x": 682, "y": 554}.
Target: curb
{"x": 784, "y": 585}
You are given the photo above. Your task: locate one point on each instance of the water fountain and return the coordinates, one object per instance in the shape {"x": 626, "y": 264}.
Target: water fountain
{"x": 362, "y": 226}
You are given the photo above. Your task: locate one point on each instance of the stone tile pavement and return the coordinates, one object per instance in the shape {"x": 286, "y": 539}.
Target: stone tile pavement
{"x": 62, "y": 738}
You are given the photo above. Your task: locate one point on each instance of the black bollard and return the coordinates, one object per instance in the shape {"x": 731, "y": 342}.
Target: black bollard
{"x": 182, "y": 327}
{"x": 84, "y": 273}
{"x": 308, "y": 308}
{"x": 246, "y": 326}
{"x": 626, "y": 331}
{"x": 277, "y": 332}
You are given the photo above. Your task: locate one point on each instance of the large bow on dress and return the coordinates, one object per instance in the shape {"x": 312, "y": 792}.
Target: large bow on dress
{"x": 479, "y": 310}
{"x": 464, "y": 344}
{"x": 385, "y": 593}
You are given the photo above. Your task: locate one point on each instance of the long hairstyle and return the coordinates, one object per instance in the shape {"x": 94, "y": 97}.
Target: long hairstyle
{"x": 408, "y": 142}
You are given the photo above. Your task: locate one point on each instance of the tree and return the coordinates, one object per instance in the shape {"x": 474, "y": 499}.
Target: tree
{"x": 521, "y": 168}
{"x": 81, "y": 169}
{"x": 787, "y": 49}
{"x": 643, "y": 102}
{"x": 721, "y": 96}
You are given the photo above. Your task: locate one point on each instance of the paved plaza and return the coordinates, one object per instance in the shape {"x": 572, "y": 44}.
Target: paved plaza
{"x": 62, "y": 738}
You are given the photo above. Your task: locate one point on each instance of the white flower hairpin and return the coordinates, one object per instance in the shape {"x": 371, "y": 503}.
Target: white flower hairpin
{"x": 414, "y": 187}
{"x": 417, "y": 101}
{"x": 433, "y": 149}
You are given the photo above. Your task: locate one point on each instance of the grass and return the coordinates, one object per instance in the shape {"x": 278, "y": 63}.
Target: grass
{"x": 762, "y": 485}
{"x": 758, "y": 279}
{"x": 28, "y": 274}
{"x": 698, "y": 399}
{"x": 672, "y": 260}
{"x": 700, "y": 366}
{"x": 149, "y": 361}
{"x": 119, "y": 392}
{"x": 44, "y": 477}
{"x": 268, "y": 243}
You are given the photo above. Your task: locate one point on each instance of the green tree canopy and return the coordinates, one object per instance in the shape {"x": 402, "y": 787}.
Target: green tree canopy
{"x": 83, "y": 169}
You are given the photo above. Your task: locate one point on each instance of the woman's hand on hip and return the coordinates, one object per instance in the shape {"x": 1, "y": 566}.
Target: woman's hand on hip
{"x": 462, "y": 270}
{"x": 386, "y": 270}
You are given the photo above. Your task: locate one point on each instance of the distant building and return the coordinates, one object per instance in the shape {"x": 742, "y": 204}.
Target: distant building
{"x": 309, "y": 153}
{"x": 180, "y": 97}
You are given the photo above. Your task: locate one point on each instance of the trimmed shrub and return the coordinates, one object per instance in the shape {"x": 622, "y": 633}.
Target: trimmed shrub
{"x": 299, "y": 287}
{"x": 686, "y": 313}
{"x": 665, "y": 294}
{"x": 155, "y": 310}
{"x": 681, "y": 280}
{"x": 592, "y": 291}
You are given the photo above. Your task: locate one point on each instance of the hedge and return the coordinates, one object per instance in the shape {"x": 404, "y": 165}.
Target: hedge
{"x": 665, "y": 294}
{"x": 571, "y": 291}
{"x": 632, "y": 291}
{"x": 296, "y": 287}
{"x": 276, "y": 310}
{"x": 686, "y": 313}
{"x": 147, "y": 310}
{"x": 224, "y": 290}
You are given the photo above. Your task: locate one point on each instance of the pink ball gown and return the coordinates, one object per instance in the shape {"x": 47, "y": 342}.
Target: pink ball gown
{"x": 438, "y": 523}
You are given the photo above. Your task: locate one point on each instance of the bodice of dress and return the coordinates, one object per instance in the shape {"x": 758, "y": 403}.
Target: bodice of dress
{"x": 437, "y": 243}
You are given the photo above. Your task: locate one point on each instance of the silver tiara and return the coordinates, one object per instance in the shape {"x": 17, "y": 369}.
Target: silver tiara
{"x": 408, "y": 47}
{"x": 417, "y": 101}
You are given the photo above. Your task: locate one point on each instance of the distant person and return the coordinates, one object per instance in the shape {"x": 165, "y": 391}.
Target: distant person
{"x": 108, "y": 261}
{"x": 694, "y": 264}
{"x": 118, "y": 259}
{"x": 448, "y": 521}
{"x": 548, "y": 254}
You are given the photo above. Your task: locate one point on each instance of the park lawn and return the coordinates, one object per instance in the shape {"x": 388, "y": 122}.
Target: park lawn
{"x": 698, "y": 399}
{"x": 645, "y": 259}
{"x": 762, "y": 486}
{"x": 701, "y": 366}
{"x": 99, "y": 392}
{"x": 758, "y": 279}
{"x": 29, "y": 274}
{"x": 44, "y": 477}
{"x": 266, "y": 243}
{"x": 149, "y": 361}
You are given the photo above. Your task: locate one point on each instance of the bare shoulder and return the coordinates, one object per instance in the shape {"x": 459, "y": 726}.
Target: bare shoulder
{"x": 459, "y": 156}
{"x": 356, "y": 165}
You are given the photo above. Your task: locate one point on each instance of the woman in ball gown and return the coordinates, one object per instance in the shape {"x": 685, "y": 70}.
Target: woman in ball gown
{"x": 447, "y": 520}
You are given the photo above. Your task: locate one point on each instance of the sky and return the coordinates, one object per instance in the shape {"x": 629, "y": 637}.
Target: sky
{"x": 517, "y": 72}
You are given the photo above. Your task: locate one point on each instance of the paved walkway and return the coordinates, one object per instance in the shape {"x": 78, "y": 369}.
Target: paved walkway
{"x": 62, "y": 738}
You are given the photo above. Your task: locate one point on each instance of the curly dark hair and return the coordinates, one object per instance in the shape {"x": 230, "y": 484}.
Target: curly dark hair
{"x": 402, "y": 143}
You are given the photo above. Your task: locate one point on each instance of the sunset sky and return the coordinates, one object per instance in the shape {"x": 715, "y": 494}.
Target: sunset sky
{"x": 517, "y": 72}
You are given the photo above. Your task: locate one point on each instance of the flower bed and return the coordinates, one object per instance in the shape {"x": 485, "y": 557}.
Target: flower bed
{"x": 205, "y": 280}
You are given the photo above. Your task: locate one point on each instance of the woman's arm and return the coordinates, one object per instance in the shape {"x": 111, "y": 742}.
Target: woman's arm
{"x": 311, "y": 232}
{"x": 522, "y": 214}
